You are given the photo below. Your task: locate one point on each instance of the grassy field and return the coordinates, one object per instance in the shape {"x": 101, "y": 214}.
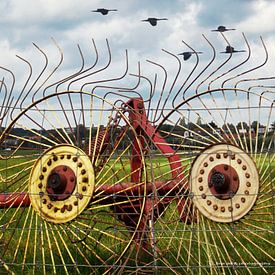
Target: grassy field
{"x": 97, "y": 238}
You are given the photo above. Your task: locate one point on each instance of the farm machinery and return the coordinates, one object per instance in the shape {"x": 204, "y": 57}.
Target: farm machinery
{"x": 100, "y": 176}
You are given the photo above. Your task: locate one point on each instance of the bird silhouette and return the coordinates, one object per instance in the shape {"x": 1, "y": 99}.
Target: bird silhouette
{"x": 230, "y": 49}
{"x": 103, "y": 11}
{"x": 222, "y": 29}
{"x": 187, "y": 55}
{"x": 153, "y": 21}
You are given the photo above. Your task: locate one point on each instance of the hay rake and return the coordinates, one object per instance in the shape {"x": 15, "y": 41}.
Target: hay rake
{"x": 99, "y": 176}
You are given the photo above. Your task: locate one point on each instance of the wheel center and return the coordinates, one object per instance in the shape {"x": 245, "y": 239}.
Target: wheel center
{"x": 61, "y": 183}
{"x": 217, "y": 179}
{"x": 223, "y": 181}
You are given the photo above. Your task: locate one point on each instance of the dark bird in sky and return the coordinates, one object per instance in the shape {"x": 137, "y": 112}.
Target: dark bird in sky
{"x": 103, "y": 11}
{"x": 222, "y": 29}
{"x": 230, "y": 49}
{"x": 187, "y": 55}
{"x": 153, "y": 21}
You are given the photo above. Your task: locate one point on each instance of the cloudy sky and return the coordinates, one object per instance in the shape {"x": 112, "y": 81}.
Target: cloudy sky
{"x": 72, "y": 23}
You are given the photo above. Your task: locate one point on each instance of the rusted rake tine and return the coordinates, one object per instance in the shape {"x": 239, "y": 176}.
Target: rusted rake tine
{"x": 5, "y": 106}
{"x": 96, "y": 87}
{"x": 204, "y": 69}
{"x": 254, "y": 68}
{"x": 220, "y": 66}
{"x": 188, "y": 76}
{"x": 240, "y": 64}
{"x": 83, "y": 87}
{"x": 78, "y": 75}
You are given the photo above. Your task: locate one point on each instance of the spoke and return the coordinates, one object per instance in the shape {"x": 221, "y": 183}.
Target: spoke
{"x": 60, "y": 228}
{"x": 52, "y": 230}
{"x": 50, "y": 247}
{"x": 27, "y": 244}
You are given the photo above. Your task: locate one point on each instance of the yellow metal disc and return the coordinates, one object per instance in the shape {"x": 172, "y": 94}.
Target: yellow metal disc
{"x": 61, "y": 211}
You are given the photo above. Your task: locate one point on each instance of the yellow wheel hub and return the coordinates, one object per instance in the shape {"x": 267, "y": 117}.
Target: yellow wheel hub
{"x": 61, "y": 183}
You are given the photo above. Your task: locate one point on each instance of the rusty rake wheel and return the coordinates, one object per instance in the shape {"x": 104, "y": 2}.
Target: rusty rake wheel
{"x": 225, "y": 140}
{"x": 68, "y": 202}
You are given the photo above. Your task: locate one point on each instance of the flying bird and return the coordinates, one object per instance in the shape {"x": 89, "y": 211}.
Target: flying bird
{"x": 222, "y": 29}
{"x": 230, "y": 49}
{"x": 153, "y": 21}
{"x": 103, "y": 11}
{"x": 187, "y": 55}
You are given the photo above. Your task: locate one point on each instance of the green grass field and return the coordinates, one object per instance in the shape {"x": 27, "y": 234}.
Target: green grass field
{"x": 97, "y": 238}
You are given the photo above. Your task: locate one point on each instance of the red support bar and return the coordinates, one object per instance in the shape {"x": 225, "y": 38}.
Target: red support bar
{"x": 139, "y": 121}
{"x": 125, "y": 189}
{"x": 14, "y": 200}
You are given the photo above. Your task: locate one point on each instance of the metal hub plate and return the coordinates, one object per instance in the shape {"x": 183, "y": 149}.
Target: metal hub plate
{"x": 225, "y": 208}
{"x": 65, "y": 207}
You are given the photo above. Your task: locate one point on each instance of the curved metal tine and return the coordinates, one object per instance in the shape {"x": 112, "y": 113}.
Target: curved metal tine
{"x": 12, "y": 84}
{"x": 38, "y": 77}
{"x": 108, "y": 80}
{"x": 60, "y": 62}
{"x": 35, "y": 81}
{"x": 64, "y": 80}
{"x": 162, "y": 89}
{"x": 111, "y": 79}
{"x": 121, "y": 89}
{"x": 262, "y": 96}
{"x": 263, "y": 86}
{"x": 221, "y": 65}
{"x": 103, "y": 80}
{"x": 132, "y": 89}
{"x": 25, "y": 84}
{"x": 85, "y": 76}
{"x": 173, "y": 83}
{"x": 254, "y": 68}
{"x": 200, "y": 73}
{"x": 33, "y": 85}
{"x": 149, "y": 108}
{"x": 3, "y": 106}
{"x": 53, "y": 70}
{"x": 231, "y": 69}
{"x": 259, "y": 146}
{"x": 264, "y": 153}
{"x": 118, "y": 88}
{"x": 99, "y": 70}
{"x": 205, "y": 68}
{"x": 189, "y": 75}
{"x": 150, "y": 84}
{"x": 209, "y": 84}
{"x": 67, "y": 78}
{"x": 169, "y": 93}
{"x": 223, "y": 92}
{"x": 86, "y": 70}
{"x": 46, "y": 80}
{"x": 240, "y": 64}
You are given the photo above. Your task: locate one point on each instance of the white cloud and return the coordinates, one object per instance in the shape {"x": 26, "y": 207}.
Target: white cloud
{"x": 261, "y": 19}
